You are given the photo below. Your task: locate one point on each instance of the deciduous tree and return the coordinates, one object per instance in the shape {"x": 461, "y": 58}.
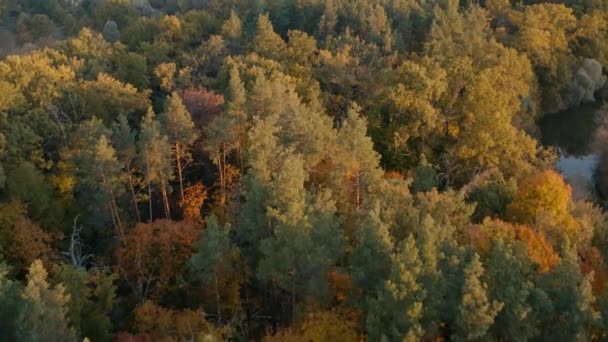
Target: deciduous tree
{"x": 154, "y": 254}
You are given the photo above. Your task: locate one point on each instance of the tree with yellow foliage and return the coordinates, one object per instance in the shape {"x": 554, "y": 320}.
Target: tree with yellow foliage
{"x": 544, "y": 201}
{"x": 544, "y": 33}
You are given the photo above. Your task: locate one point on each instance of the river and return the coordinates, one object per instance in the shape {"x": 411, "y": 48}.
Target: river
{"x": 571, "y": 133}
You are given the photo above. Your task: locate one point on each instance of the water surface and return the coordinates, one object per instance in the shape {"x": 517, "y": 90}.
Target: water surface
{"x": 571, "y": 133}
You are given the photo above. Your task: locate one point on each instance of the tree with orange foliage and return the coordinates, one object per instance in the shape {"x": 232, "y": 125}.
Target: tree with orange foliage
{"x": 154, "y": 254}
{"x": 21, "y": 240}
{"x": 340, "y": 282}
{"x": 544, "y": 201}
{"x": 194, "y": 197}
{"x": 593, "y": 261}
{"x": 539, "y": 250}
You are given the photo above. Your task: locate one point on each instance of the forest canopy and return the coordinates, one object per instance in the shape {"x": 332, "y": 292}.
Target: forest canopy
{"x": 298, "y": 170}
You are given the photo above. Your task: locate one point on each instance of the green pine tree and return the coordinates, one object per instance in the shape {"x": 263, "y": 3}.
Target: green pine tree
{"x": 398, "y": 309}
{"x": 45, "y": 315}
{"x": 92, "y": 294}
{"x": 477, "y": 312}
{"x": 123, "y": 140}
{"x": 371, "y": 258}
{"x": 216, "y": 259}
{"x": 155, "y": 159}
{"x": 266, "y": 42}
{"x": 177, "y": 125}
{"x": 511, "y": 281}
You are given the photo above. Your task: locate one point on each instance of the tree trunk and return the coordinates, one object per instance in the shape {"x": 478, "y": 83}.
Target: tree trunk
{"x": 239, "y": 145}
{"x": 114, "y": 223}
{"x": 221, "y": 167}
{"x": 224, "y": 177}
{"x": 117, "y": 214}
{"x": 293, "y": 294}
{"x": 150, "y": 199}
{"x": 113, "y": 207}
{"x": 149, "y": 185}
{"x": 358, "y": 190}
{"x": 163, "y": 188}
{"x": 178, "y": 158}
{"x": 217, "y": 296}
{"x": 240, "y": 154}
{"x": 132, "y": 189}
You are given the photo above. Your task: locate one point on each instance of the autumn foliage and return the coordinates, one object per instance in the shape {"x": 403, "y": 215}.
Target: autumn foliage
{"x": 194, "y": 197}
{"x": 157, "y": 323}
{"x": 539, "y": 250}
{"x": 544, "y": 201}
{"x": 154, "y": 254}
{"x": 593, "y": 261}
{"x": 202, "y": 103}
{"x": 21, "y": 240}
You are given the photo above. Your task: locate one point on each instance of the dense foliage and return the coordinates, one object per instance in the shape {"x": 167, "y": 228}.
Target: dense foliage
{"x": 286, "y": 170}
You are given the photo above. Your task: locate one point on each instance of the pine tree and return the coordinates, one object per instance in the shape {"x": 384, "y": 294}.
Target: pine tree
{"x": 371, "y": 258}
{"x": 358, "y": 162}
{"x": 476, "y": 313}
{"x": 232, "y": 30}
{"x": 92, "y": 295}
{"x": 11, "y": 306}
{"x": 262, "y": 155}
{"x": 236, "y": 110}
{"x": 123, "y": 139}
{"x": 99, "y": 177}
{"x": 573, "y": 311}
{"x": 326, "y": 234}
{"x": 304, "y": 240}
{"x": 178, "y": 126}
{"x": 165, "y": 73}
{"x": 219, "y": 143}
{"x": 109, "y": 170}
{"x": 379, "y": 24}
{"x": 398, "y": 309}
{"x": 155, "y": 159}
{"x": 215, "y": 259}
{"x": 226, "y": 133}
{"x": 285, "y": 250}
{"x": 27, "y": 184}
{"x": 434, "y": 244}
{"x": 329, "y": 19}
{"x": 266, "y": 42}
{"x": 44, "y": 318}
{"x": 511, "y": 281}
